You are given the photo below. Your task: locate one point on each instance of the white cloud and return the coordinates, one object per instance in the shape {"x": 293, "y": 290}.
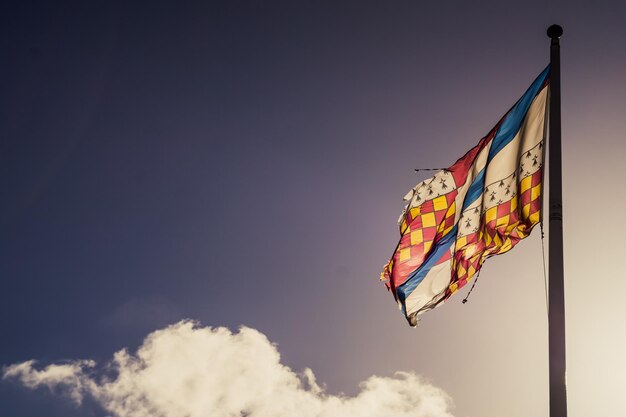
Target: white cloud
{"x": 189, "y": 371}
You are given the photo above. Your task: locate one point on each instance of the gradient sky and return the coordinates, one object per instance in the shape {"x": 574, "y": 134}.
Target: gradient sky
{"x": 243, "y": 163}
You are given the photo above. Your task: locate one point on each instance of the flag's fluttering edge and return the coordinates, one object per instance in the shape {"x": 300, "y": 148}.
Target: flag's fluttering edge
{"x": 481, "y": 206}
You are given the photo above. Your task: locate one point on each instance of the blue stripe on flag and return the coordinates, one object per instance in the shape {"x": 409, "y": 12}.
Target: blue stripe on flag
{"x": 420, "y": 273}
{"x": 475, "y": 190}
{"x": 505, "y": 134}
{"x": 511, "y": 124}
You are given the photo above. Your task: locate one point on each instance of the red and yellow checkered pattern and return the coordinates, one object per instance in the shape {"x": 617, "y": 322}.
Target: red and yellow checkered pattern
{"x": 502, "y": 227}
{"x": 421, "y": 227}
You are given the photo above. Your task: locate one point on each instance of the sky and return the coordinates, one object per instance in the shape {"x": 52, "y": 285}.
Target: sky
{"x": 172, "y": 172}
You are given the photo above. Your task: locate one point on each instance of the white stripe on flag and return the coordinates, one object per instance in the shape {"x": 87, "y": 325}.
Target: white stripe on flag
{"x": 432, "y": 288}
{"x": 505, "y": 162}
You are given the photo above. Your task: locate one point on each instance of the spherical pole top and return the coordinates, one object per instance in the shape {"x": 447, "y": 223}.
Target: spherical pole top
{"x": 555, "y": 31}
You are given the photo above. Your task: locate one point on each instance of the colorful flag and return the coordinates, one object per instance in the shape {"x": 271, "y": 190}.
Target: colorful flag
{"x": 481, "y": 206}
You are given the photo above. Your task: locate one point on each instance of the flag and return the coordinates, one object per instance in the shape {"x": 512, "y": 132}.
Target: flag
{"x": 481, "y": 206}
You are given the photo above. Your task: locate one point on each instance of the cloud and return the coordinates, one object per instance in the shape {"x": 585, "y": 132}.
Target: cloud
{"x": 186, "y": 370}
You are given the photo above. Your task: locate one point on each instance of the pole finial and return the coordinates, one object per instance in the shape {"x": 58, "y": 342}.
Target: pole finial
{"x": 555, "y": 31}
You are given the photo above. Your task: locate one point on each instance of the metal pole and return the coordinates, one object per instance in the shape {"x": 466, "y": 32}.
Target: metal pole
{"x": 556, "y": 314}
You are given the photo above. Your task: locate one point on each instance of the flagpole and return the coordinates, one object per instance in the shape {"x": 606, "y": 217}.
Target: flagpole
{"x": 556, "y": 313}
